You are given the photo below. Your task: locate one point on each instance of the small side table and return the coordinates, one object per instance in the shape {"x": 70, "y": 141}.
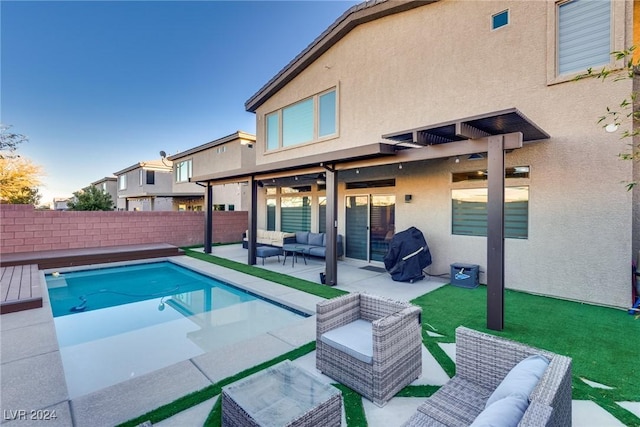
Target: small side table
{"x": 282, "y": 395}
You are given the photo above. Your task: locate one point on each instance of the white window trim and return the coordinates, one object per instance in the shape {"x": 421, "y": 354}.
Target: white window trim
{"x": 508, "y": 11}
{"x": 316, "y": 121}
{"x": 618, "y": 21}
{"x": 189, "y": 170}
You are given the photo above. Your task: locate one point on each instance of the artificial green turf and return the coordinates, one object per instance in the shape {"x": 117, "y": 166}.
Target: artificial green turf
{"x": 292, "y": 282}
{"x": 197, "y": 397}
{"x": 603, "y": 342}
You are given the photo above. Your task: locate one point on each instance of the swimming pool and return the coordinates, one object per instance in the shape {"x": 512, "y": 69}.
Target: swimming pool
{"x": 117, "y": 323}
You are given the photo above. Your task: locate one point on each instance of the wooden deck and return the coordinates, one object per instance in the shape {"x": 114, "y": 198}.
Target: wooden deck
{"x": 19, "y": 288}
{"x": 86, "y": 256}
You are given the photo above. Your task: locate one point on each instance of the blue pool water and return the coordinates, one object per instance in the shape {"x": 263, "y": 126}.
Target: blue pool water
{"x": 117, "y": 323}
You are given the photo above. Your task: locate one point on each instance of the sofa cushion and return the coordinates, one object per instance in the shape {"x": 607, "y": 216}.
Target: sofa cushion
{"x": 320, "y": 251}
{"x": 355, "y": 339}
{"x": 316, "y": 239}
{"x": 505, "y": 412}
{"x": 521, "y": 379}
{"x": 302, "y": 237}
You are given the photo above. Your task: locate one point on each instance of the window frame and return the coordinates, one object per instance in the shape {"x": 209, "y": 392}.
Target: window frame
{"x": 122, "y": 182}
{"x": 276, "y": 117}
{"x": 617, "y": 38}
{"x": 178, "y": 168}
{"x": 493, "y": 17}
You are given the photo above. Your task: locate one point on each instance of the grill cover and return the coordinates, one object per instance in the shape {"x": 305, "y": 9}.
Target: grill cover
{"x": 408, "y": 255}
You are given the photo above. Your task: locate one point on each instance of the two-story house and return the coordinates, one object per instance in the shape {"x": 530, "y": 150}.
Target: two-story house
{"x": 145, "y": 186}
{"x": 108, "y": 185}
{"x": 231, "y": 151}
{"x": 465, "y": 120}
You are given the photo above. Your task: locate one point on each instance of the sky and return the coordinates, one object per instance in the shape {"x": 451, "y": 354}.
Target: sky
{"x": 98, "y": 86}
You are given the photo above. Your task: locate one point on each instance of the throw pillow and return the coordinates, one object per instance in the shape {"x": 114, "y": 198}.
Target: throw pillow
{"x": 506, "y": 412}
{"x": 521, "y": 379}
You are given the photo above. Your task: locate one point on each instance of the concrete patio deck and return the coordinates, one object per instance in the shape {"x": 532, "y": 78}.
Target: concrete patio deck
{"x": 32, "y": 376}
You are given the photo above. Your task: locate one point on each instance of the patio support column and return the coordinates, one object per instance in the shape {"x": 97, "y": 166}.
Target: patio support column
{"x": 253, "y": 222}
{"x": 331, "y": 259}
{"x": 208, "y": 217}
{"x": 495, "y": 233}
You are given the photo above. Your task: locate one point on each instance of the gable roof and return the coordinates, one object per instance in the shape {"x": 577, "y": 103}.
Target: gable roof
{"x": 359, "y": 14}
{"x": 238, "y": 135}
{"x": 150, "y": 164}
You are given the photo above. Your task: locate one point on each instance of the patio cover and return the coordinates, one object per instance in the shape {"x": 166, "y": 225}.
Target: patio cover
{"x": 497, "y": 132}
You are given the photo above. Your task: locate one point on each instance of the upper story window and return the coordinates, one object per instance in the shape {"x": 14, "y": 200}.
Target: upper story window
{"x": 309, "y": 120}
{"x": 183, "y": 171}
{"x": 122, "y": 182}
{"x": 500, "y": 19}
{"x": 104, "y": 187}
{"x": 147, "y": 177}
{"x": 221, "y": 149}
{"x": 583, "y": 34}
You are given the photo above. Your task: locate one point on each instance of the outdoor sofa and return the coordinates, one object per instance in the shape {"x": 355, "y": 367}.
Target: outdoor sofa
{"x": 482, "y": 363}
{"x": 369, "y": 343}
{"x": 314, "y": 244}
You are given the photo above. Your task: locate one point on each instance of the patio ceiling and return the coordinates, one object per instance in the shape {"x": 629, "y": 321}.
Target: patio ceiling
{"x": 495, "y": 123}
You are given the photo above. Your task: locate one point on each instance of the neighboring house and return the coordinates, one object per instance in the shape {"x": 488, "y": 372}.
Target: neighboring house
{"x": 232, "y": 151}
{"x": 109, "y": 185}
{"x": 61, "y": 203}
{"x": 398, "y": 113}
{"x": 145, "y": 186}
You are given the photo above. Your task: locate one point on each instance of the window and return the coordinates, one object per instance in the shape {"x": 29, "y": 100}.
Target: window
{"x": 481, "y": 175}
{"x": 500, "y": 19}
{"x": 147, "y": 177}
{"x": 322, "y": 214}
{"x": 183, "y": 171}
{"x": 273, "y": 131}
{"x": 295, "y": 214}
{"x": 221, "y": 149}
{"x": 122, "y": 182}
{"x": 469, "y": 212}
{"x": 583, "y": 34}
{"x": 271, "y": 214}
{"x": 104, "y": 187}
{"x": 305, "y": 121}
{"x": 297, "y": 123}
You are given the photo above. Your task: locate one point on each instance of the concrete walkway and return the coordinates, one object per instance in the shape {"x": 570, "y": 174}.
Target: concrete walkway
{"x": 32, "y": 377}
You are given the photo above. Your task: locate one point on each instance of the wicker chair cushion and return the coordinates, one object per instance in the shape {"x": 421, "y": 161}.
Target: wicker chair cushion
{"x": 354, "y": 339}
{"x": 521, "y": 379}
{"x": 506, "y": 412}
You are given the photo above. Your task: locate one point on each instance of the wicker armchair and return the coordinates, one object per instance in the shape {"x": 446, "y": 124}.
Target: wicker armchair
{"x": 393, "y": 331}
{"x": 482, "y": 361}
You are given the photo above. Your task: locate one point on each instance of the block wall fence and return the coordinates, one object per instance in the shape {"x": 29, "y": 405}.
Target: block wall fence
{"x": 25, "y": 229}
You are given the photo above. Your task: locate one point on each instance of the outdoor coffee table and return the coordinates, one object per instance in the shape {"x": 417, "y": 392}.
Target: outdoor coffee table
{"x": 295, "y": 251}
{"x": 282, "y": 395}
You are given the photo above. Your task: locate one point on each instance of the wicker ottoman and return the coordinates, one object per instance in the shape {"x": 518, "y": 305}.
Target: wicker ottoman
{"x": 282, "y": 395}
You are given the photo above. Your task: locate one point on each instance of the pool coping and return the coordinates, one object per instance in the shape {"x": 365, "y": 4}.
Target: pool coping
{"x": 32, "y": 365}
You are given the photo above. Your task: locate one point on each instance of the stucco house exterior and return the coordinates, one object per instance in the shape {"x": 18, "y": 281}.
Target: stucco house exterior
{"x": 109, "y": 185}
{"x": 405, "y": 113}
{"x": 145, "y": 186}
{"x": 231, "y": 151}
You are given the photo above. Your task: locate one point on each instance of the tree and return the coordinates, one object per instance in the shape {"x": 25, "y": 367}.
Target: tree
{"x": 19, "y": 179}
{"x": 627, "y": 111}
{"x": 91, "y": 199}
{"x": 9, "y": 141}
